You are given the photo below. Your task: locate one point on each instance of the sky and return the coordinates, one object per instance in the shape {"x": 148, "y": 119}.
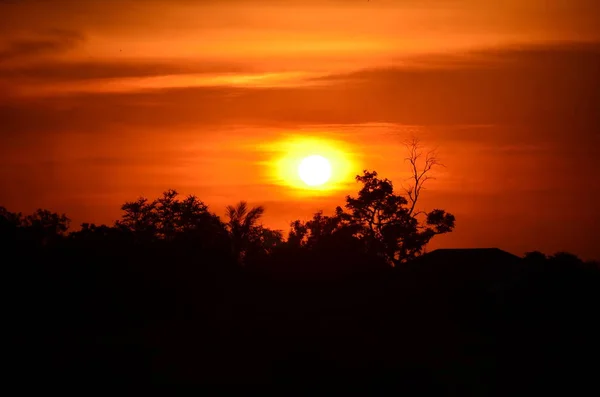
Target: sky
{"x": 105, "y": 101}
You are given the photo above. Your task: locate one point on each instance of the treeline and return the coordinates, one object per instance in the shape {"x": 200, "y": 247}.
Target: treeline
{"x": 378, "y": 226}
{"x": 172, "y": 294}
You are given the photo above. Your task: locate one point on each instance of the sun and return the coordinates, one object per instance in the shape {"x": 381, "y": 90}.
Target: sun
{"x": 310, "y": 165}
{"x": 314, "y": 170}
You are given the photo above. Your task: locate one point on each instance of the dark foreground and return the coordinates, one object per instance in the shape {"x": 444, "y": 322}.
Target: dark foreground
{"x": 82, "y": 318}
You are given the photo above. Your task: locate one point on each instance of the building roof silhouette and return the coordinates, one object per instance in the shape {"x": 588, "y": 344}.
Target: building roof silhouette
{"x": 471, "y": 254}
{"x": 460, "y": 265}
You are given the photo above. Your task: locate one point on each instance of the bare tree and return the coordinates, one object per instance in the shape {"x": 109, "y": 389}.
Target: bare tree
{"x": 420, "y": 168}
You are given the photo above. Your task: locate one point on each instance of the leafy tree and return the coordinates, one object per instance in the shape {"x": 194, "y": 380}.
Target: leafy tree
{"x": 98, "y": 233}
{"x": 140, "y": 218}
{"x": 565, "y": 258}
{"x": 169, "y": 218}
{"x": 321, "y": 230}
{"x": 297, "y": 234}
{"x": 167, "y": 210}
{"x": 193, "y": 215}
{"x": 41, "y": 227}
{"x": 9, "y": 220}
{"x": 263, "y": 243}
{"x": 329, "y": 245}
{"x": 51, "y": 223}
{"x": 389, "y": 223}
{"x": 267, "y": 240}
{"x": 535, "y": 257}
{"x": 10, "y": 226}
{"x": 386, "y": 223}
{"x": 44, "y": 226}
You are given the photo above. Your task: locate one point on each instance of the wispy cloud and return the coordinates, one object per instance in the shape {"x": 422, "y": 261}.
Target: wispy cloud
{"x": 53, "y": 71}
{"x": 48, "y": 42}
{"x": 541, "y": 92}
{"x": 166, "y": 81}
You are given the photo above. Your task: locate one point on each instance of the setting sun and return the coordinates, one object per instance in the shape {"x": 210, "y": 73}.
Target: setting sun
{"x": 314, "y": 170}
{"x": 312, "y": 164}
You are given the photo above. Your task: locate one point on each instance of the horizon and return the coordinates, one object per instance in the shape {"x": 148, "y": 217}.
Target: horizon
{"x": 104, "y": 103}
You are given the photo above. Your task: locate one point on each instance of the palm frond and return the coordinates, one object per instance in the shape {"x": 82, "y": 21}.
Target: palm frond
{"x": 253, "y": 216}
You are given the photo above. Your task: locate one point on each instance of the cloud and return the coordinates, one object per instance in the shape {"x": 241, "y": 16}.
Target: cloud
{"x": 55, "y": 71}
{"x": 516, "y": 86}
{"x": 49, "y": 42}
{"x": 549, "y": 92}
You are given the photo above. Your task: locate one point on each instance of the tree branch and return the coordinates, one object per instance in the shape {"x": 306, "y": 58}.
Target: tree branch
{"x": 419, "y": 175}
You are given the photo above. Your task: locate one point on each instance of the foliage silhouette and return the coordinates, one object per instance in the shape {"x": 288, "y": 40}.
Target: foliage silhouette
{"x": 172, "y": 295}
{"x": 40, "y": 228}
{"x": 169, "y": 218}
{"x": 247, "y": 237}
{"x": 387, "y": 224}
{"x": 378, "y": 220}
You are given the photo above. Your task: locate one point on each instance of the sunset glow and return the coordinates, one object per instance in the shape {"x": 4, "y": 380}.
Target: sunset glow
{"x": 313, "y": 165}
{"x": 393, "y": 196}
{"x": 102, "y": 102}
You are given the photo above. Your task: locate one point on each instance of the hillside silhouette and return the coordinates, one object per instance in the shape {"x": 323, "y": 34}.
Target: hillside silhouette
{"x": 173, "y": 295}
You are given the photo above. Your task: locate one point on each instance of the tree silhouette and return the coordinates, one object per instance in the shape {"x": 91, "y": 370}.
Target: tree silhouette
{"x": 167, "y": 214}
{"x": 98, "y": 234}
{"x": 242, "y": 227}
{"x": 535, "y": 257}
{"x": 9, "y": 221}
{"x": 322, "y": 230}
{"x": 169, "y": 218}
{"x": 262, "y": 243}
{"x": 420, "y": 169}
{"x": 297, "y": 234}
{"x": 384, "y": 224}
{"x": 10, "y": 227}
{"x": 140, "y": 218}
{"x": 388, "y": 224}
{"x": 44, "y": 226}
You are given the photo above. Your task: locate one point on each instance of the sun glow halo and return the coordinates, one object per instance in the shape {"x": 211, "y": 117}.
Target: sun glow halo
{"x": 313, "y": 164}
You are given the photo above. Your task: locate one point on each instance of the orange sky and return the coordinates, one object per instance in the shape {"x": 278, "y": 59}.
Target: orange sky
{"x": 103, "y": 101}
